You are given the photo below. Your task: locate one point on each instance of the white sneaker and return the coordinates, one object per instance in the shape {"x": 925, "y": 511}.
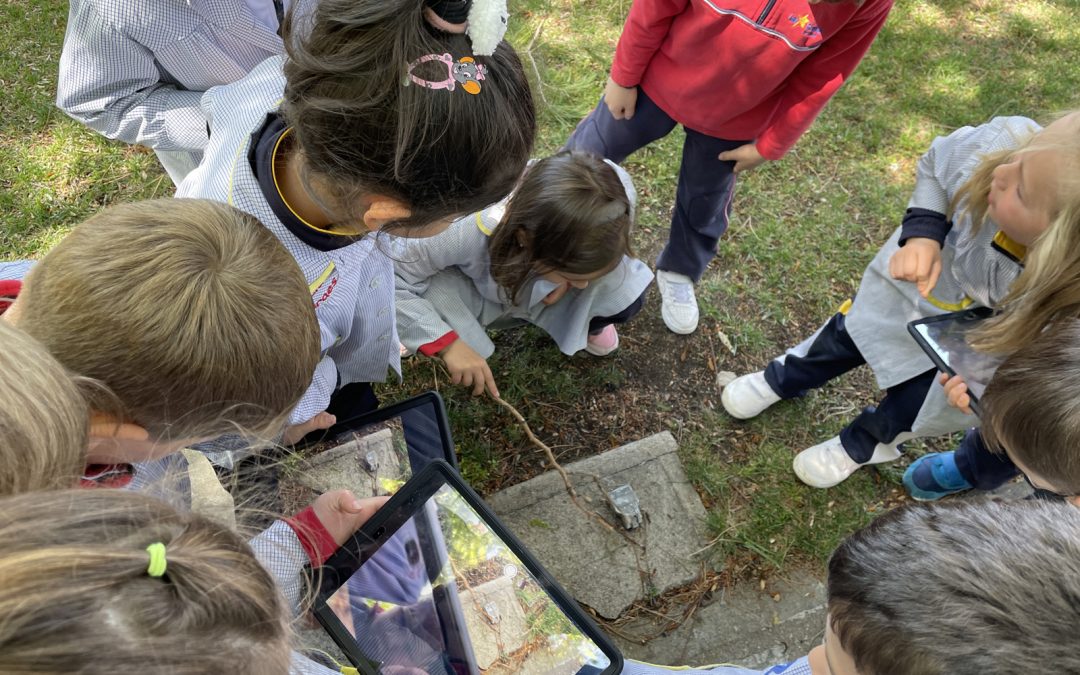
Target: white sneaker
{"x": 678, "y": 305}
{"x": 827, "y": 464}
{"x": 748, "y": 396}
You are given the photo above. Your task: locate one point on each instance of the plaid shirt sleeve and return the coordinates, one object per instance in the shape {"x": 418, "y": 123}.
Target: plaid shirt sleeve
{"x": 281, "y": 553}
{"x": 111, "y": 83}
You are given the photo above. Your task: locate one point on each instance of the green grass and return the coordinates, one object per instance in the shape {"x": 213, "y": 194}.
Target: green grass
{"x": 802, "y": 231}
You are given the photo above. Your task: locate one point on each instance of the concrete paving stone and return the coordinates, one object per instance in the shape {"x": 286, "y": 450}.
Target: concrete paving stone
{"x": 358, "y": 465}
{"x": 743, "y": 625}
{"x": 599, "y": 567}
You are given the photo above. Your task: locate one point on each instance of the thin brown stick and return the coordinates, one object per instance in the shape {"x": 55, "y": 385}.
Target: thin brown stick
{"x": 539, "y": 443}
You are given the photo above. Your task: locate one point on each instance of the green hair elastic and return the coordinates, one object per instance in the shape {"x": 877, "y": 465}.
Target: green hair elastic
{"x": 156, "y": 568}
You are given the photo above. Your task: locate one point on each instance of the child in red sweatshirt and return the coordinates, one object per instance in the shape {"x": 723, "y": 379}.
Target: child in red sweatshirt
{"x": 745, "y": 78}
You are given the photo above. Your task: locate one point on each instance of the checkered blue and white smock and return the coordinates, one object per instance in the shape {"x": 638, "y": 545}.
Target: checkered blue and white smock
{"x": 352, "y": 287}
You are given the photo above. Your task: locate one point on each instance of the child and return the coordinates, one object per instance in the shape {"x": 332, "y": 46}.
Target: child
{"x": 554, "y": 253}
{"x": 745, "y": 79}
{"x": 1002, "y": 579}
{"x": 1030, "y": 422}
{"x": 136, "y": 73}
{"x": 1008, "y": 190}
{"x": 43, "y": 418}
{"x": 191, "y": 315}
{"x": 355, "y": 146}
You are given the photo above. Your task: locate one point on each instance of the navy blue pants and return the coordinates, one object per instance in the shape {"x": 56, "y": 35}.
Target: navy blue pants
{"x": 599, "y": 323}
{"x": 833, "y": 353}
{"x": 706, "y": 185}
{"x": 980, "y": 467}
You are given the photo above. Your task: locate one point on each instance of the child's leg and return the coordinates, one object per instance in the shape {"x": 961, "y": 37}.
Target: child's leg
{"x": 894, "y": 415}
{"x": 828, "y": 353}
{"x": 980, "y": 467}
{"x": 599, "y": 323}
{"x": 702, "y": 205}
{"x": 613, "y": 139}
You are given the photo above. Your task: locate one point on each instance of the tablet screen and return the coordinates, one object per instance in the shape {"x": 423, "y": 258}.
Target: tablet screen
{"x": 948, "y": 339}
{"x": 445, "y": 595}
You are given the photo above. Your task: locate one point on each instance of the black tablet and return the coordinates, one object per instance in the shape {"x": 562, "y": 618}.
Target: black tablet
{"x": 435, "y": 584}
{"x": 388, "y": 445}
{"x": 945, "y": 339}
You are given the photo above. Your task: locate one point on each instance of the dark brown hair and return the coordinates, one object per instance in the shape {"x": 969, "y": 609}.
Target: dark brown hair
{"x": 77, "y": 596}
{"x": 960, "y": 588}
{"x": 570, "y": 214}
{"x": 364, "y": 129}
{"x": 1031, "y": 408}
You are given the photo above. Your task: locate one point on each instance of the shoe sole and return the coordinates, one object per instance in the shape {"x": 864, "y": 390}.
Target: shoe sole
{"x": 678, "y": 331}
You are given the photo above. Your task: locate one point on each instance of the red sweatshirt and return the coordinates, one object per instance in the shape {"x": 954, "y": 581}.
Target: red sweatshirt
{"x": 745, "y": 69}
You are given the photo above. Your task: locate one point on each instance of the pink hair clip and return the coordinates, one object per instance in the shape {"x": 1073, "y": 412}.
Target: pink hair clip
{"x": 465, "y": 71}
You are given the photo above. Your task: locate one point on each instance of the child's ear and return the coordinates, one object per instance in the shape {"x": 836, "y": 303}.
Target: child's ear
{"x": 384, "y": 210}
{"x": 522, "y": 238}
{"x": 107, "y": 426}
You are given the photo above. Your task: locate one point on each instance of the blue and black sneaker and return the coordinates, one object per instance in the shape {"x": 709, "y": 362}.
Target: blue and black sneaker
{"x": 933, "y": 476}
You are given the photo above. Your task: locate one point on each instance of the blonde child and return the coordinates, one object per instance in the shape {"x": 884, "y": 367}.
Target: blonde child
{"x": 1011, "y": 192}
{"x": 104, "y": 581}
{"x": 44, "y": 419}
{"x": 363, "y": 128}
{"x": 554, "y": 253}
{"x": 745, "y": 79}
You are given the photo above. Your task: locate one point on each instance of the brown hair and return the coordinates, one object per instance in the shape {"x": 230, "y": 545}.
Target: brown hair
{"x": 1031, "y": 408}
{"x": 43, "y": 418}
{"x": 1049, "y": 286}
{"x": 77, "y": 596}
{"x": 364, "y": 129}
{"x": 189, "y": 311}
{"x": 960, "y": 588}
{"x": 570, "y": 214}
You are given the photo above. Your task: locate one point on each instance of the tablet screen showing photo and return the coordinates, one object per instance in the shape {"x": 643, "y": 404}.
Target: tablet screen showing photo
{"x": 949, "y": 340}
{"x": 443, "y": 594}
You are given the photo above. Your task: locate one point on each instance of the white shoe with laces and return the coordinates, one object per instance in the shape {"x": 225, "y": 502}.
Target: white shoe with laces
{"x": 827, "y": 464}
{"x": 748, "y": 396}
{"x": 678, "y": 306}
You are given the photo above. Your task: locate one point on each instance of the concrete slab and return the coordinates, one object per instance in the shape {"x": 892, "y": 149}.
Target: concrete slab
{"x": 362, "y": 465}
{"x": 744, "y": 625}
{"x": 598, "y": 567}
{"x": 494, "y": 619}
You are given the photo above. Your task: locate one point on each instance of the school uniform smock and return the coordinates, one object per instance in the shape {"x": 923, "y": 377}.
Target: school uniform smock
{"x": 445, "y": 290}
{"x": 350, "y": 279}
{"x": 977, "y": 267}
{"x": 135, "y": 70}
{"x": 797, "y": 667}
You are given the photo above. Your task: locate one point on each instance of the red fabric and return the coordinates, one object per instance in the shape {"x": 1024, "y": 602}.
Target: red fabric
{"x": 433, "y": 348}
{"x": 317, "y": 541}
{"x": 715, "y": 68}
{"x": 107, "y": 476}
{"x": 9, "y": 290}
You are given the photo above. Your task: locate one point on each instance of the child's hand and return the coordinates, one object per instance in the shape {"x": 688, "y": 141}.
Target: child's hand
{"x": 918, "y": 260}
{"x": 468, "y": 368}
{"x": 342, "y": 514}
{"x": 956, "y": 392}
{"x": 294, "y": 432}
{"x": 620, "y": 100}
{"x": 556, "y": 295}
{"x": 746, "y": 157}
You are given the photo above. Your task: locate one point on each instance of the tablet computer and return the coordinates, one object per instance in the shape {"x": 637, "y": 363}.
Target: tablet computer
{"x": 435, "y": 584}
{"x": 945, "y": 340}
{"x": 385, "y": 447}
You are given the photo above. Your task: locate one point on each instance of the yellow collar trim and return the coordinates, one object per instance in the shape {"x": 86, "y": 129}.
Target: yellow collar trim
{"x": 480, "y": 225}
{"x": 1016, "y": 250}
{"x": 277, "y": 186}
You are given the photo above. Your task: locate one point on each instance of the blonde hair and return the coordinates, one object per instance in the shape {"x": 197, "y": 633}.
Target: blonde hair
{"x": 189, "y": 311}
{"x": 1049, "y": 286}
{"x": 77, "y": 596}
{"x": 43, "y": 418}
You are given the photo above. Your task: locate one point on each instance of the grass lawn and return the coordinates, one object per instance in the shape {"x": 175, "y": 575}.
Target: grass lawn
{"x": 802, "y": 231}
